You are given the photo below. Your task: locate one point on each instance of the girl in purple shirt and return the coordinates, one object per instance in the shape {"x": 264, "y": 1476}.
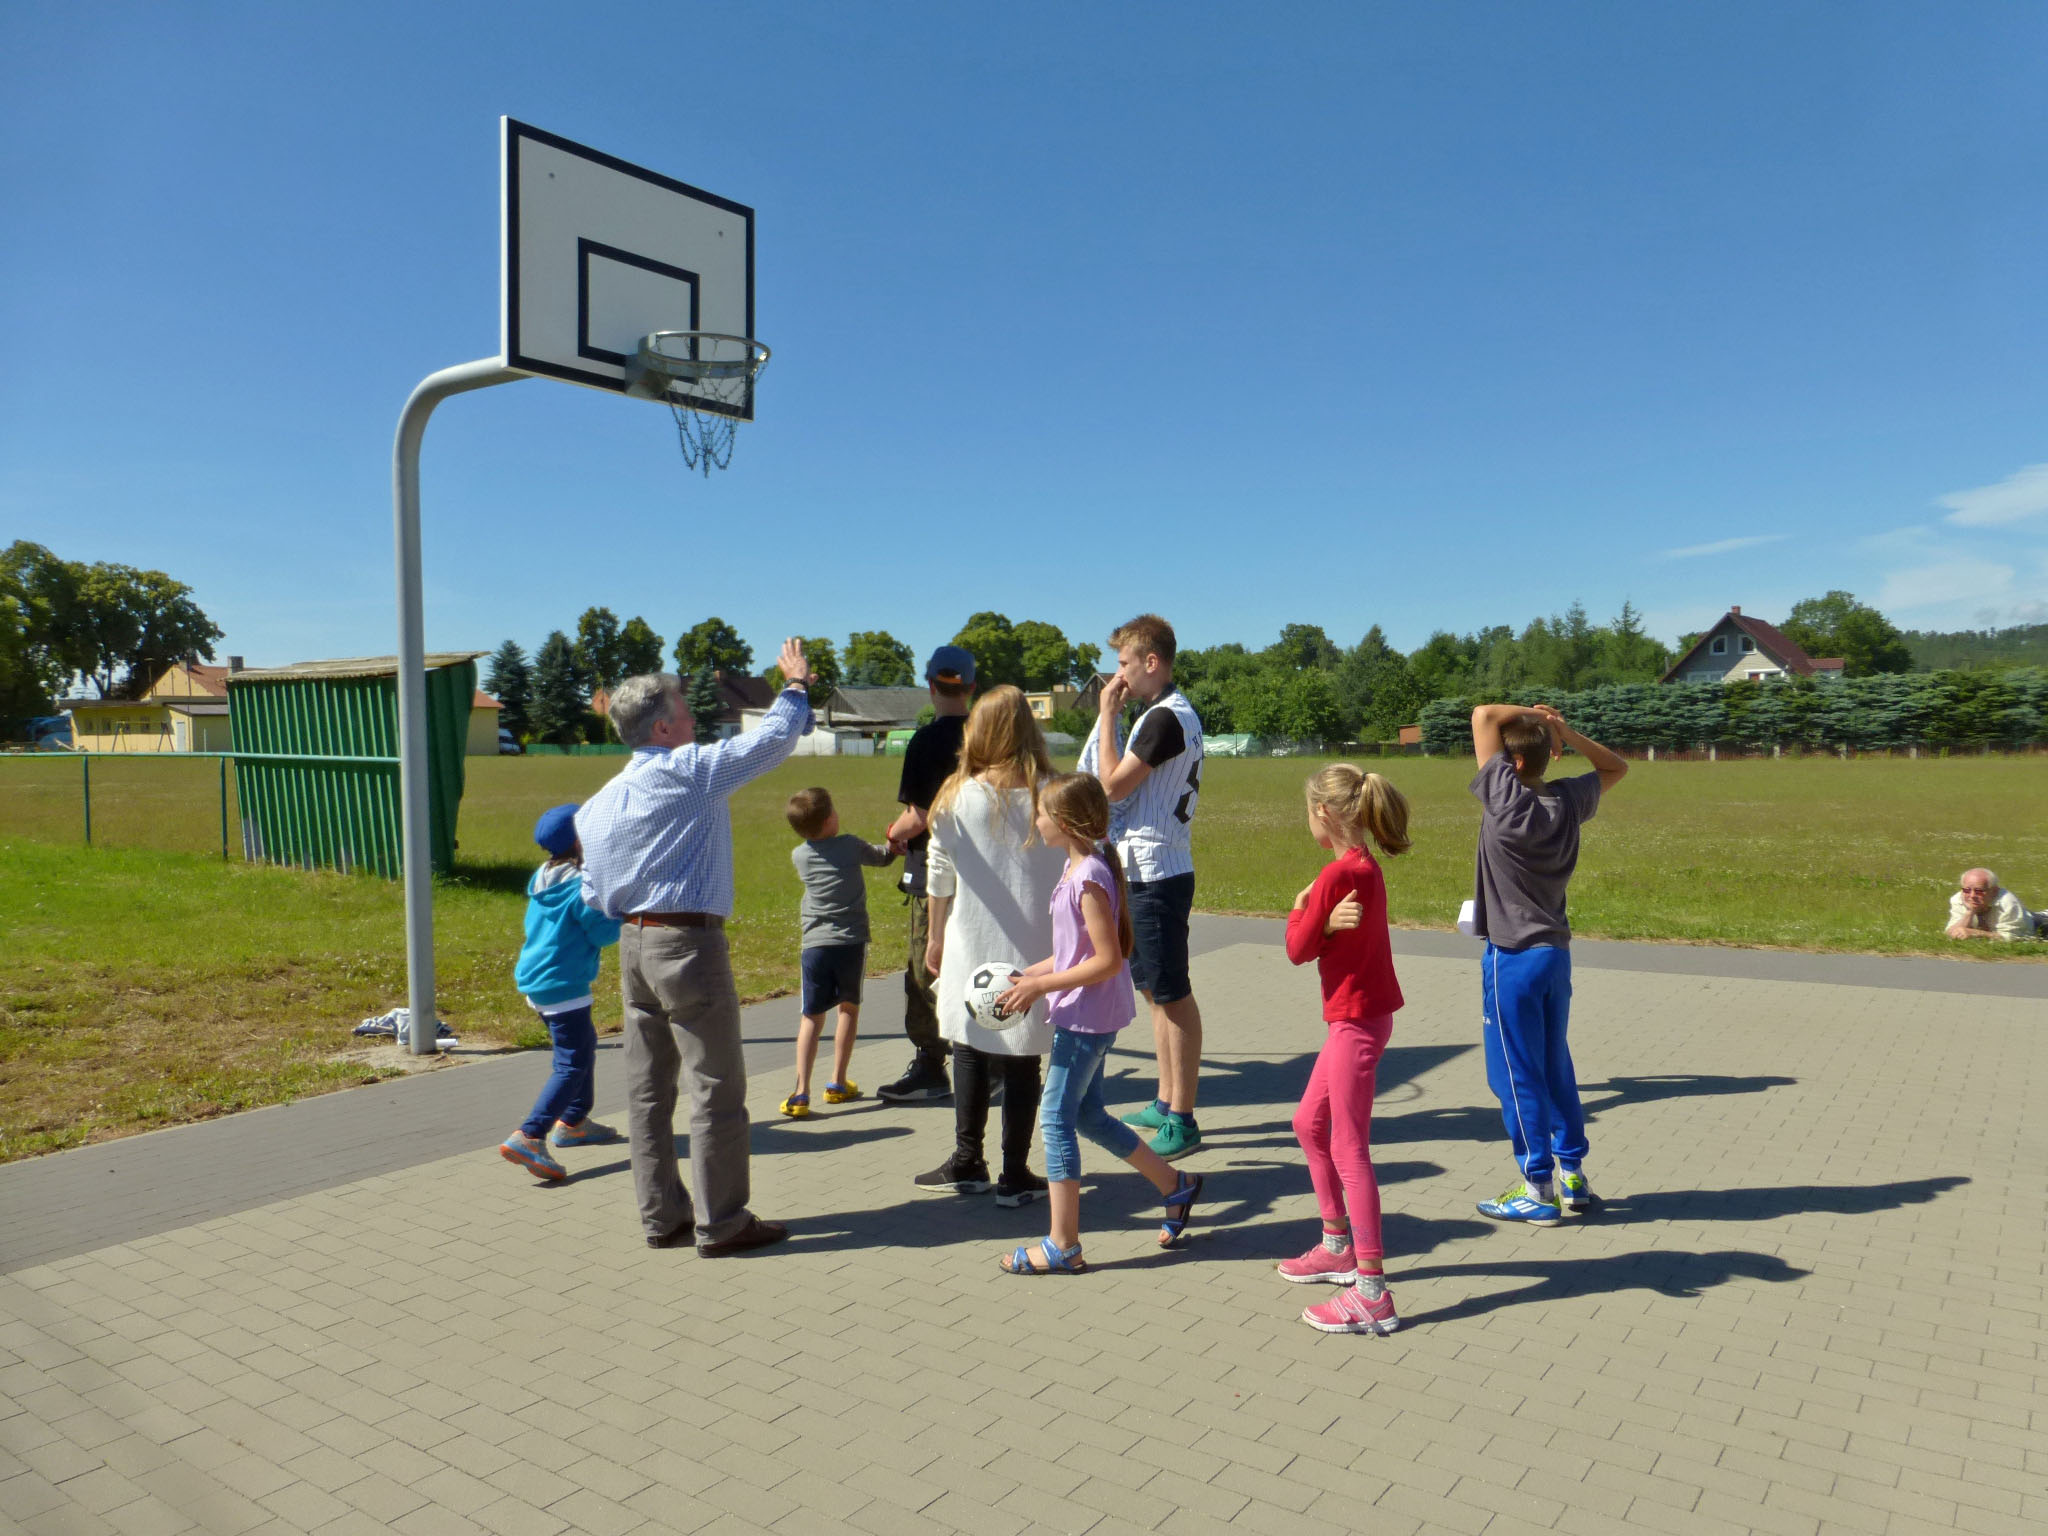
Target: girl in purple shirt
{"x": 1087, "y": 983}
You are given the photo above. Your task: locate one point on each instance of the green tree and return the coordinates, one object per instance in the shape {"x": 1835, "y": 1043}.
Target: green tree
{"x": 1626, "y": 654}
{"x": 825, "y": 674}
{"x": 998, "y": 657}
{"x": 132, "y": 624}
{"x": 1308, "y": 707}
{"x": 597, "y": 647}
{"x": 874, "y": 658}
{"x": 555, "y": 713}
{"x": 1046, "y": 660}
{"x": 1375, "y": 689}
{"x": 510, "y": 682}
{"x": 1087, "y": 662}
{"x": 715, "y": 644}
{"x": 38, "y": 615}
{"x": 1304, "y": 645}
{"x": 1442, "y": 667}
{"x": 639, "y": 648}
{"x": 1838, "y": 625}
{"x": 707, "y": 703}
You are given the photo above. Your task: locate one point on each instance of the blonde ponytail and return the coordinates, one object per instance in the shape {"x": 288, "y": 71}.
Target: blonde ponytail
{"x": 1357, "y": 805}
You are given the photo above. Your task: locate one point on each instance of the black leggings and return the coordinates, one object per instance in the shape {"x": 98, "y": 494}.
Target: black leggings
{"x": 975, "y": 1074}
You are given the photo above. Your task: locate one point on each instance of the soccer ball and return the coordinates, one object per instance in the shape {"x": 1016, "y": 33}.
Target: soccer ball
{"x": 985, "y": 984}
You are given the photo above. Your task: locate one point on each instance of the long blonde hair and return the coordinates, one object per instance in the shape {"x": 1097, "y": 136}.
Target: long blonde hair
{"x": 1357, "y": 804}
{"x": 1078, "y": 803}
{"x": 1001, "y": 737}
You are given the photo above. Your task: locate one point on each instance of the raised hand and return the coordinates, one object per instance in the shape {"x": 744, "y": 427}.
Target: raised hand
{"x": 794, "y": 668}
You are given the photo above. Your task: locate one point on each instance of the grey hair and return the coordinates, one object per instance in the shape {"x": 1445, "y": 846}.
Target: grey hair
{"x": 641, "y": 703}
{"x": 1989, "y": 877}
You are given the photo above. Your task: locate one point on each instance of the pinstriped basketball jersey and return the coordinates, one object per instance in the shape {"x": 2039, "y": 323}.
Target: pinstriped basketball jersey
{"x": 1153, "y": 825}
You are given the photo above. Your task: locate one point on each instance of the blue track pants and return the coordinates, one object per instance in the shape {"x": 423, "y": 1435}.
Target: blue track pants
{"x": 1528, "y": 999}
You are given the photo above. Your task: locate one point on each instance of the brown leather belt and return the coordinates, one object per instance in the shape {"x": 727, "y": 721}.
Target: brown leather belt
{"x": 675, "y": 920}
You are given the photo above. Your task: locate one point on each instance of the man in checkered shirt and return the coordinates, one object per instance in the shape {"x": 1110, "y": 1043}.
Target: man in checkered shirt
{"x": 657, "y": 855}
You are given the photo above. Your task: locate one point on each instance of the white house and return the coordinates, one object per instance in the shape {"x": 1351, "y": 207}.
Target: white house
{"x": 1741, "y": 649}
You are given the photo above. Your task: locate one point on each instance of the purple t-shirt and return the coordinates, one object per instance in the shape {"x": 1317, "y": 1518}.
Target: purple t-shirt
{"x": 1106, "y": 1007}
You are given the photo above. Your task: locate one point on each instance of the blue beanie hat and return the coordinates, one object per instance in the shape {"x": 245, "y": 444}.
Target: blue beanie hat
{"x": 556, "y": 829}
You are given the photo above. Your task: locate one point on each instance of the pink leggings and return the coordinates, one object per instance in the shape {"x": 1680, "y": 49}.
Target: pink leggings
{"x": 1334, "y": 1126}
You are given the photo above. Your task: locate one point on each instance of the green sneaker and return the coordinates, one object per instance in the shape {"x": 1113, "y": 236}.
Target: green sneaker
{"x": 1150, "y": 1118}
{"x": 1177, "y": 1138}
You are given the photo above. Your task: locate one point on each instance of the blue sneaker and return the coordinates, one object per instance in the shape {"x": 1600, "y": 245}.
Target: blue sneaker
{"x": 1523, "y": 1201}
{"x": 1574, "y": 1191}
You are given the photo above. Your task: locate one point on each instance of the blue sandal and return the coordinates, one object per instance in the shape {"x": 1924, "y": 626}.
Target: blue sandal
{"x": 1058, "y": 1260}
{"x": 1184, "y": 1196}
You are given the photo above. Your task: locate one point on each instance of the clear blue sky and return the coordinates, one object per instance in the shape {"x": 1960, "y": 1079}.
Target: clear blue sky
{"x": 1430, "y": 316}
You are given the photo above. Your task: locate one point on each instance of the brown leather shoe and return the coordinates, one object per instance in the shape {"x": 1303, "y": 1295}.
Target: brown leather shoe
{"x": 755, "y": 1234}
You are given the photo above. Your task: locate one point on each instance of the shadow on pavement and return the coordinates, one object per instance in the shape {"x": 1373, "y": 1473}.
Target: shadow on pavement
{"x": 1482, "y": 1122}
{"x": 1668, "y": 1274}
{"x": 1768, "y": 1204}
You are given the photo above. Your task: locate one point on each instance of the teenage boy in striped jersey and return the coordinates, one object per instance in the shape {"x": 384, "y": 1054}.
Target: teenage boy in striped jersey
{"x": 1153, "y": 781}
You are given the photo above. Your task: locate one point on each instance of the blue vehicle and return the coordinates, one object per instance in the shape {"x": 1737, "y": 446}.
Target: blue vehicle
{"x": 50, "y": 733}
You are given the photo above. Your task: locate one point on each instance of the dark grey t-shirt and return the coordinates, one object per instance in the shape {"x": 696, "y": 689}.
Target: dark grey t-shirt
{"x": 1528, "y": 846}
{"x": 835, "y": 909}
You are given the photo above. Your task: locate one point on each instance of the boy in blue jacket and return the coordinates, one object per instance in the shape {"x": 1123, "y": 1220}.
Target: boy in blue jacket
{"x": 557, "y": 964}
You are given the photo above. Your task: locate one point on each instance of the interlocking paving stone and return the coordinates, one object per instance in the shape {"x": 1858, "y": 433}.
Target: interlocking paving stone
{"x": 1814, "y": 1298}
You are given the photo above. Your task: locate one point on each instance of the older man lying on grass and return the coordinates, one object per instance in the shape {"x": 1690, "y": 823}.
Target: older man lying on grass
{"x": 1981, "y": 908}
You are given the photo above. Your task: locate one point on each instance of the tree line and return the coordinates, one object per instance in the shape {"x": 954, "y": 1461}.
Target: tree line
{"x": 114, "y": 625}
{"x": 1952, "y": 709}
{"x": 1304, "y": 686}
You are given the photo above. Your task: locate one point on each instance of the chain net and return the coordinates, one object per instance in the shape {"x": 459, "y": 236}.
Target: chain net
{"x": 707, "y": 436}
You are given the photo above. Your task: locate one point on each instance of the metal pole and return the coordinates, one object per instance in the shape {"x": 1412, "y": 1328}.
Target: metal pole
{"x": 223, "y": 810}
{"x": 415, "y": 843}
{"x": 85, "y": 767}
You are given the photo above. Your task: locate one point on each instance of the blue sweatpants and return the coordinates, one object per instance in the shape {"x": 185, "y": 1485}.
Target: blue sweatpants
{"x": 1528, "y": 998}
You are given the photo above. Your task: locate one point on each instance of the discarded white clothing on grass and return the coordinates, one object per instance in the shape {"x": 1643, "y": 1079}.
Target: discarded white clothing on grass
{"x": 397, "y": 1025}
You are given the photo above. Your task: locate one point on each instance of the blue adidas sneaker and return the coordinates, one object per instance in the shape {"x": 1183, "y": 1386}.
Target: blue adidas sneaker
{"x": 1523, "y": 1201}
{"x": 1574, "y": 1192}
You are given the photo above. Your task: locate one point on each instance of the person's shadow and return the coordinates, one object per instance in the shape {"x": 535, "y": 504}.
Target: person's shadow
{"x": 1667, "y": 1273}
{"x": 1683, "y": 1205}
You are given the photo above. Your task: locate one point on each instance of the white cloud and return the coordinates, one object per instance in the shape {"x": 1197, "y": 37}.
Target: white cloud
{"x": 1725, "y": 546}
{"x": 1981, "y": 584}
{"x": 2020, "y": 495}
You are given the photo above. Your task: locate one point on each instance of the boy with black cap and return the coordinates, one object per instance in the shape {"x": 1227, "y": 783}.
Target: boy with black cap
{"x": 557, "y": 964}
{"x": 929, "y": 760}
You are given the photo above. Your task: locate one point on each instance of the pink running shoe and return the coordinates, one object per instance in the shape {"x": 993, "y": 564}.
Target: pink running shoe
{"x": 1349, "y": 1312}
{"x": 1320, "y": 1264}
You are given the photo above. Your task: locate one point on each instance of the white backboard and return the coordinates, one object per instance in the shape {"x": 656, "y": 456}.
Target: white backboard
{"x": 597, "y": 253}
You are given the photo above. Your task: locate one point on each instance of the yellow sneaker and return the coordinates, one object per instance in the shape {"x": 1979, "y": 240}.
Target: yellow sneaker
{"x": 843, "y": 1093}
{"x": 797, "y": 1106}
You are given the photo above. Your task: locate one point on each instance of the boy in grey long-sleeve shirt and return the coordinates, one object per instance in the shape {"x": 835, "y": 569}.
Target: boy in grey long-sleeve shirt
{"x": 835, "y": 940}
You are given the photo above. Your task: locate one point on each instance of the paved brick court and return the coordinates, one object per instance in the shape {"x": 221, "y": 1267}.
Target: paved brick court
{"x": 1812, "y": 1301}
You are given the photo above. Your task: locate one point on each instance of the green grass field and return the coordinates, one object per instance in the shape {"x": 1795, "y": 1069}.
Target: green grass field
{"x": 145, "y": 981}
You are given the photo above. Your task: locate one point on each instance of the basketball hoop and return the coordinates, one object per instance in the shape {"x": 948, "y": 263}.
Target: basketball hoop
{"x": 707, "y": 378}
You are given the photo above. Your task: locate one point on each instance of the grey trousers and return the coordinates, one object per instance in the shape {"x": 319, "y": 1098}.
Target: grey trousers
{"x": 683, "y": 1019}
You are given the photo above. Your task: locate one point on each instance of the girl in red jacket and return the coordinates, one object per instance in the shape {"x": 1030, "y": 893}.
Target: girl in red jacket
{"x": 1340, "y": 922}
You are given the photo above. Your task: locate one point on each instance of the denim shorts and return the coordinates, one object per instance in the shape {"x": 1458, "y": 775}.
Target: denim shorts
{"x": 1159, "y": 928}
{"x": 832, "y": 975}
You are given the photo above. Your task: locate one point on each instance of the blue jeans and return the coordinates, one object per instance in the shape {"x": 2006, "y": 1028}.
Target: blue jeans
{"x": 1073, "y": 1101}
{"x": 572, "y": 1083}
{"x": 1528, "y": 999}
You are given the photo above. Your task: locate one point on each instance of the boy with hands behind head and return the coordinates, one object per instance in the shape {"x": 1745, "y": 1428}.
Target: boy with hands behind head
{"x": 1528, "y": 848}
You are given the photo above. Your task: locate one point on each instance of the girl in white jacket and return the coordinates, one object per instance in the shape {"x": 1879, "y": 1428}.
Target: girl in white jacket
{"x": 990, "y": 880}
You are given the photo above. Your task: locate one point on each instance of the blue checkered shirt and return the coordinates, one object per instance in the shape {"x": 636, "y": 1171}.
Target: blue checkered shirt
{"x": 658, "y": 837}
